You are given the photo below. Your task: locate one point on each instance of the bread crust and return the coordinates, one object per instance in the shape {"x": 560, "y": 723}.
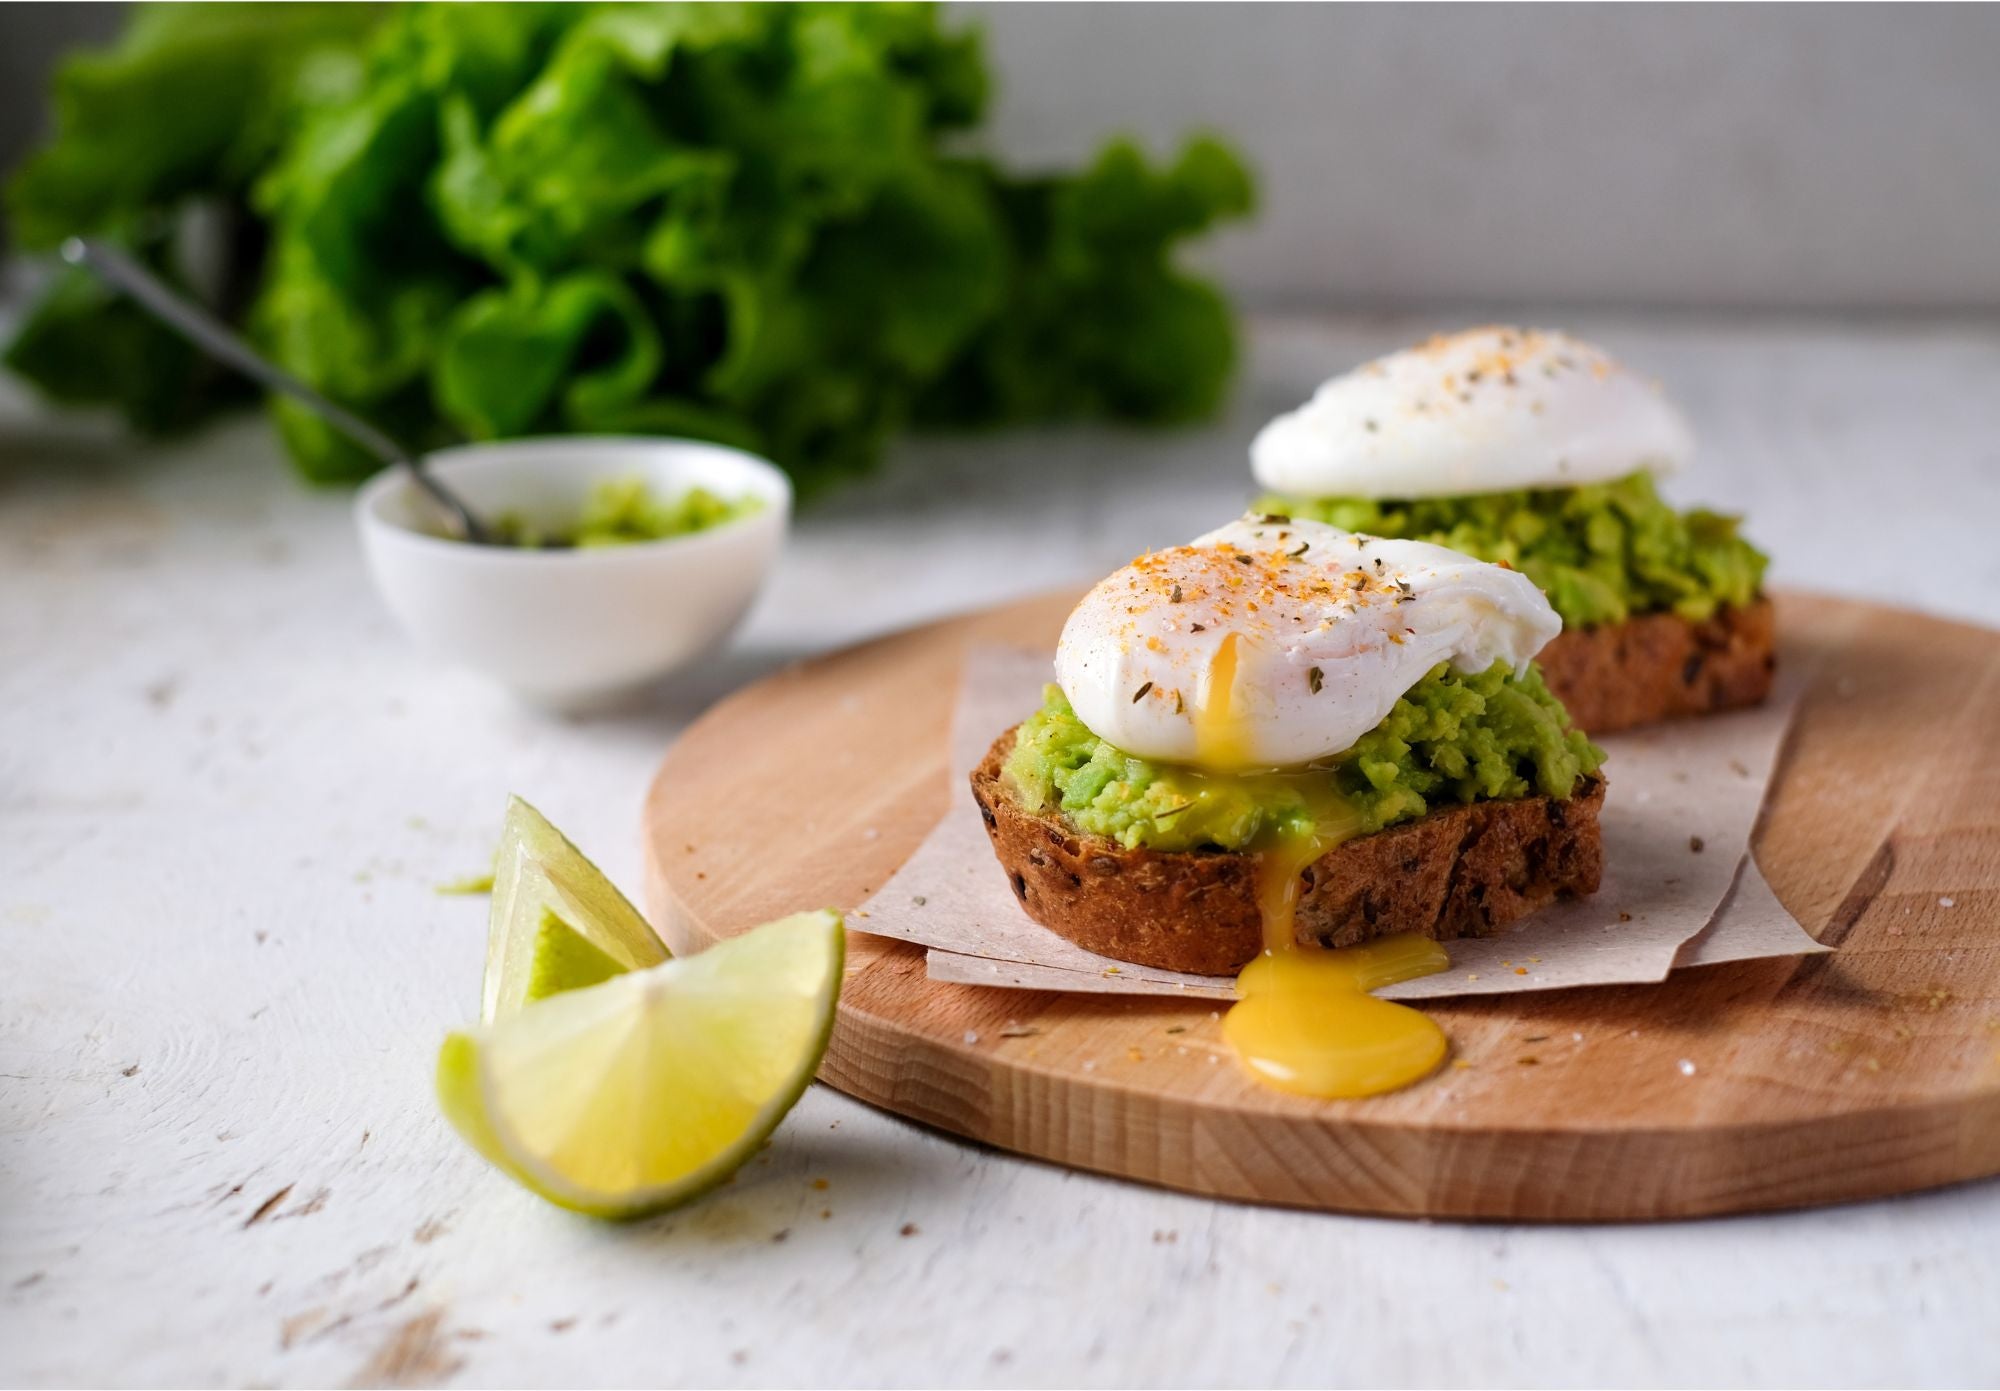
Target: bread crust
{"x": 1660, "y": 666}
{"x": 1461, "y": 872}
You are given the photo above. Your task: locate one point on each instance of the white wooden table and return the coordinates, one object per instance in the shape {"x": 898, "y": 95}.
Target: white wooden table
{"x": 228, "y": 787}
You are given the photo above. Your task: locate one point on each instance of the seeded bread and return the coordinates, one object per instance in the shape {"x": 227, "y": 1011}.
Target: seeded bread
{"x": 1461, "y": 872}
{"x": 1659, "y": 666}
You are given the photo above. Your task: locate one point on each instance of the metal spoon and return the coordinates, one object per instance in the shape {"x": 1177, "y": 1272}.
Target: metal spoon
{"x": 209, "y": 334}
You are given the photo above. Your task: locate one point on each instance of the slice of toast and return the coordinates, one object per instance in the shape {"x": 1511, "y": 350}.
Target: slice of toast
{"x": 1659, "y": 666}
{"x": 1466, "y": 871}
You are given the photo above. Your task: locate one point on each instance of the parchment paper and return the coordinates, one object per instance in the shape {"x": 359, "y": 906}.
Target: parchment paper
{"x": 1681, "y": 804}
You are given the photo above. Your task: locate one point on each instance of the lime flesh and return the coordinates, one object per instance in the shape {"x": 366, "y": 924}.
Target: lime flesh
{"x": 638, "y": 1093}
{"x": 564, "y": 959}
{"x": 538, "y": 876}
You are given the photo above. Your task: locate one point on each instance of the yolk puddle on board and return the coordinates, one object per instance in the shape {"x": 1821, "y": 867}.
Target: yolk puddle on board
{"x": 1304, "y": 1020}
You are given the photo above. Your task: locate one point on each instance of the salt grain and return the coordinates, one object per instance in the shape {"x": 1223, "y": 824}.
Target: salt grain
{"x": 1945, "y": 903}
{"x": 971, "y": 1038}
{"x": 1687, "y": 1067}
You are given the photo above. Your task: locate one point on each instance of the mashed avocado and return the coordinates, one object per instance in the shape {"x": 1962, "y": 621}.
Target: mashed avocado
{"x": 620, "y": 511}
{"x": 1601, "y": 552}
{"x": 1452, "y": 738}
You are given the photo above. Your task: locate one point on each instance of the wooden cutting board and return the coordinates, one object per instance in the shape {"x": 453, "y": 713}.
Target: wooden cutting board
{"x": 1871, "y": 1071}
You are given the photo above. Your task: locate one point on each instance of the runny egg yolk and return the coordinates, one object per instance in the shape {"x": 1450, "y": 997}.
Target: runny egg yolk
{"x": 1304, "y": 1021}
{"x": 1221, "y": 735}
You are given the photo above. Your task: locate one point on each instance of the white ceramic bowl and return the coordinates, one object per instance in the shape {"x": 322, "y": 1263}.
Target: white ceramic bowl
{"x": 571, "y": 628}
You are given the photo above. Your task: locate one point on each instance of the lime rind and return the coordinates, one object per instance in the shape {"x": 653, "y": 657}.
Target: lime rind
{"x": 538, "y": 873}
{"x": 458, "y": 1098}
{"x": 660, "y": 1082}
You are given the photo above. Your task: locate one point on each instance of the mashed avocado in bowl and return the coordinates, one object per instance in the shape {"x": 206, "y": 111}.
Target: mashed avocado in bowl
{"x": 624, "y": 511}
{"x": 1602, "y": 552}
{"x": 1451, "y": 739}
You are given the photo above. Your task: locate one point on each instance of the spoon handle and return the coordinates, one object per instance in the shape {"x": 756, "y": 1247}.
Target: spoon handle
{"x": 213, "y": 337}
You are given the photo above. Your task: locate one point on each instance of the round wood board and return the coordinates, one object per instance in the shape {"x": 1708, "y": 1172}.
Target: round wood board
{"x": 1871, "y": 1071}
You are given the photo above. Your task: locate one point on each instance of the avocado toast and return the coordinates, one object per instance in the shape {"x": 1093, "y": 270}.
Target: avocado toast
{"x": 1539, "y": 451}
{"x": 1285, "y": 736}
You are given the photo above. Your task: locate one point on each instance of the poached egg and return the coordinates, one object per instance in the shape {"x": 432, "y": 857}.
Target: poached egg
{"x": 1482, "y": 411}
{"x": 1272, "y": 643}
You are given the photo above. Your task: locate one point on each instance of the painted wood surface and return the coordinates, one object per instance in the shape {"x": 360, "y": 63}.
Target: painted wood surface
{"x": 228, "y": 791}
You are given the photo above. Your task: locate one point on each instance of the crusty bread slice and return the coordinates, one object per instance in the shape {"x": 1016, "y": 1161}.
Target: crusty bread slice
{"x": 1462, "y": 872}
{"x": 1659, "y": 666}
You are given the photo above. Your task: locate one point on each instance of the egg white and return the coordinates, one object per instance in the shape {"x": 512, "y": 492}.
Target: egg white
{"x": 1330, "y": 628}
{"x": 1482, "y": 411}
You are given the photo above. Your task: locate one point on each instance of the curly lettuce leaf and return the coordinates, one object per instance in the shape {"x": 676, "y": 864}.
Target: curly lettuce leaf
{"x": 85, "y": 345}
{"x": 1099, "y": 321}
{"x": 733, "y": 221}
{"x": 174, "y": 120}
{"x": 571, "y": 354}
{"x": 191, "y": 102}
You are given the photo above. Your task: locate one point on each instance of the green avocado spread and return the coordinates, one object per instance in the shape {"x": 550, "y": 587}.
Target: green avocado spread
{"x": 621, "y": 511}
{"x": 1451, "y": 739}
{"x": 1601, "y": 552}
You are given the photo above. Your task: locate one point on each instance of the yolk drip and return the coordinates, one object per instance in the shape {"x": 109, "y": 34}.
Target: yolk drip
{"x": 1304, "y": 1020}
{"x": 1221, "y": 734}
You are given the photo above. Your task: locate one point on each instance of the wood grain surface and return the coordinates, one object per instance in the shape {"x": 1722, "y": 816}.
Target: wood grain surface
{"x": 1762, "y": 1085}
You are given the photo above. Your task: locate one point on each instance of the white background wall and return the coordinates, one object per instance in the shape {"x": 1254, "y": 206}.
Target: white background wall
{"x": 1837, "y": 156}
{"x": 1796, "y": 156}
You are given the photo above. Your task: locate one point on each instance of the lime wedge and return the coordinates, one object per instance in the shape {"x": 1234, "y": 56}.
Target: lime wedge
{"x": 639, "y": 1093}
{"x": 538, "y": 876}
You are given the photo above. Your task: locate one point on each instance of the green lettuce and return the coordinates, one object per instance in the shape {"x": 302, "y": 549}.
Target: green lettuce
{"x": 172, "y": 124}
{"x": 740, "y": 222}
